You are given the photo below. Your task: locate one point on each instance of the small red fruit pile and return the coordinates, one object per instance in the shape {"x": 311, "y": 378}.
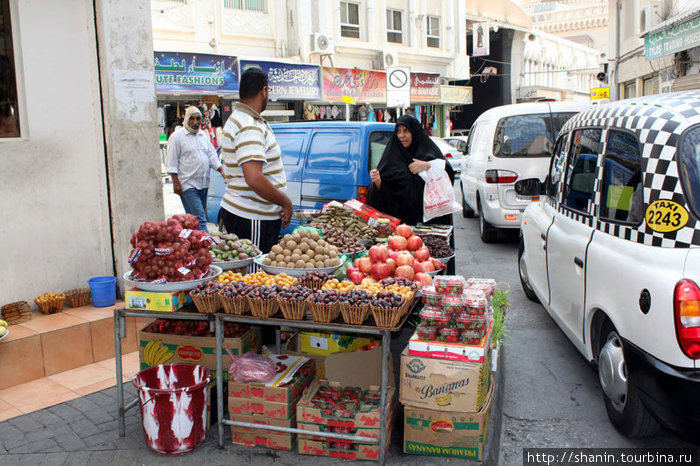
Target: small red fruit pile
{"x": 170, "y": 251}
{"x": 403, "y": 256}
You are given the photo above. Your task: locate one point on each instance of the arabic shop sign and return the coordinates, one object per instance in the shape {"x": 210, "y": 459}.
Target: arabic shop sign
{"x": 363, "y": 85}
{"x": 680, "y": 37}
{"x": 289, "y": 81}
{"x": 425, "y": 87}
{"x": 460, "y": 95}
{"x": 195, "y": 73}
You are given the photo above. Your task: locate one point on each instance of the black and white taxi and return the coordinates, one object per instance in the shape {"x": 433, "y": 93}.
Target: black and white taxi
{"x": 612, "y": 251}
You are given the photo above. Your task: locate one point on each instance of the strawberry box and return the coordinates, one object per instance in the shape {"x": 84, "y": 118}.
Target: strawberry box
{"x": 309, "y": 413}
{"x": 340, "y": 449}
{"x": 250, "y": 437}
{"x": 476, "y": 351}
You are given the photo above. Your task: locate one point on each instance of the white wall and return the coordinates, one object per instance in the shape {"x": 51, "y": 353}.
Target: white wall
{"x": 54, "y": 222}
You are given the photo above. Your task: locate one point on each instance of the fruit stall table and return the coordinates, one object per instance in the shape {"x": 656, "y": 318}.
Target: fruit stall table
{"x": 217, "y": 321}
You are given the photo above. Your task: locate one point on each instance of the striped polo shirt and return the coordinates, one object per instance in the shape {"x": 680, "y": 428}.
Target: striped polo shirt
{"x": 246, "y": 137}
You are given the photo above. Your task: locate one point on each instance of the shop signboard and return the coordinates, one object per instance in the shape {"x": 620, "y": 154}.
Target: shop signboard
{"x": 425, "y": 87}
{"x": 677, "y": 38}
{"x": 195, "y": 73}
{"x": 289, "y": 81}
{"x": 460, "y": 95}
{"x": 600, "y": 94}
{"x": 364, "y": 86}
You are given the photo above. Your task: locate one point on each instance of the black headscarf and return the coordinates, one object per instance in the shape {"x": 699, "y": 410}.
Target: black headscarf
{"x": 401, "y": 192}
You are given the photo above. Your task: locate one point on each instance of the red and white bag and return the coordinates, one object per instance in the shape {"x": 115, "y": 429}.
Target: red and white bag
{"x": 438, "y": 195}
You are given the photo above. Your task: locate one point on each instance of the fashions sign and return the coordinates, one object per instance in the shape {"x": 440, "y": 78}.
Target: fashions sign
{"x": 289, "y": 81}
{"x": 195, "y": 73}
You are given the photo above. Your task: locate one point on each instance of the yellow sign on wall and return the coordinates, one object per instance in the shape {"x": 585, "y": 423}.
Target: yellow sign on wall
{"x": 599, "y": 93}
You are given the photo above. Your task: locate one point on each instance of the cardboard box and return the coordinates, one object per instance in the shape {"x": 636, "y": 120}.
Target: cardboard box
{"x": 452, "y": 351}
{"x": 259, "y": 437}
{"x": 156, "y": 301}
{"x": 197, "y": 350}
{"x": 357, "y": 451}
{"x": 359, "y": 368}
{"x": 443, "y": 385}
{"x": 446, "y": 433}
{"x": 309, "y": 414}
{"x": 328, "y": 343}
{"x": 370, "y": 214}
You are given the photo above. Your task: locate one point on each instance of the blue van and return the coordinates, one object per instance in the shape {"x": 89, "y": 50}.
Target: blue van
{"x": 324, "y": 161}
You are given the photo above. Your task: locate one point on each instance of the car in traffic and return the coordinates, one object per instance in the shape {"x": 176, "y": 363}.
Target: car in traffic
{"x": 508, "y": 143}
{"x": 458, "y": 142}
{"x": 453, "y": 156}
{"x": 324, "y": 161}
{"x": 612, "y": 252}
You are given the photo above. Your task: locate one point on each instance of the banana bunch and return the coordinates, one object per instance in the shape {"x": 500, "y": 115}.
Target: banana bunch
{"x": 444, "y": 400}
{"x": 155, "y": 353}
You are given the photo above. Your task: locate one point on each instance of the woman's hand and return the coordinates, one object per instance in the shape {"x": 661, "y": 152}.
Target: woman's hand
{"x": 418, "y": 166}
{"x": 376, "y": 179}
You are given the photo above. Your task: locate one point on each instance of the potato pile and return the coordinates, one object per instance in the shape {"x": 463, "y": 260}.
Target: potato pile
{"x": 302, "y": 250}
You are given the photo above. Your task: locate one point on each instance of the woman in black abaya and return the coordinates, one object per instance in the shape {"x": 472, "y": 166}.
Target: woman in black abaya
{"x": 396, "y": 188}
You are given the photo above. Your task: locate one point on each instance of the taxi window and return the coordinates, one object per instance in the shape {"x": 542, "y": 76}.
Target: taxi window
{"x": 622, "y": 179}
{"x": 690, "y": 168}
{"x": 581, "y": 169}
{"x": 556, "y": 169}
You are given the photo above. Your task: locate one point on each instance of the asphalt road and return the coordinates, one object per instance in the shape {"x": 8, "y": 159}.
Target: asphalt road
{"x": 552, "y": 397}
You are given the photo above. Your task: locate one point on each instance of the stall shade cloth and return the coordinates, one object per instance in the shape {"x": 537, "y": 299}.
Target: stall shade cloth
{"x": 401, "y": 192}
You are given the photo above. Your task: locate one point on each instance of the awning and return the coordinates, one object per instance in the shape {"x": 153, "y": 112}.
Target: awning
{"x": 505, "y": 13}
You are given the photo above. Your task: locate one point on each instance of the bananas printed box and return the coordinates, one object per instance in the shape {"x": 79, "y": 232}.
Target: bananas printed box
{"x": 160, "y": 348}
{"x": 442, "y": 384}
{"x": 446, "y": 433}
{"x": 156, "y": 301}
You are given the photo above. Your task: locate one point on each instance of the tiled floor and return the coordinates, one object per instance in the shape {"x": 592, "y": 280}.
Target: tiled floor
{"x": 63, "y": 386}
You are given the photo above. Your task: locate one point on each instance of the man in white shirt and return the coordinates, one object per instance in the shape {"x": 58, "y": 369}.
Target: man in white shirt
{"x": 190, "y": 155}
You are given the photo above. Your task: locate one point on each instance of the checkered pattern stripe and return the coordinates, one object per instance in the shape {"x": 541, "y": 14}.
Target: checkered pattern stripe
{"x": 658, "y": 122}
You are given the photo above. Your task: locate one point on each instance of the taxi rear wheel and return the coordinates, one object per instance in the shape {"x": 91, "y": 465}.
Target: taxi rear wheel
{"x": 624, "y": 406}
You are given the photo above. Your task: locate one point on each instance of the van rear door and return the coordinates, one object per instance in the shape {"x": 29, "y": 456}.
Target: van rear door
{"x": 331, "y": 168}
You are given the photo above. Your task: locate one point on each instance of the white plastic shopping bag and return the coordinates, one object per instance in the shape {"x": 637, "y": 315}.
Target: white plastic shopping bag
{"x": 438, "y": 195}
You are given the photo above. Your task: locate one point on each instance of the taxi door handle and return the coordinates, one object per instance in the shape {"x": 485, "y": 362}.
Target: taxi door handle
{"x": 578, "y": 261}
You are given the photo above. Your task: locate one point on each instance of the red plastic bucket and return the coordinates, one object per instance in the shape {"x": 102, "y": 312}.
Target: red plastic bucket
{"x": 173, "y": 400}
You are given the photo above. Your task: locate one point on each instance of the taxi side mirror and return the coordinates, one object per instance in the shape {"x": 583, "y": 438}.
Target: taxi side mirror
{"x": 529, "y": 187}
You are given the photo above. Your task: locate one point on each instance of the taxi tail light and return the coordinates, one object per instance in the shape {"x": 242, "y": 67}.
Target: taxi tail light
{"x": 362, "y": 194}
{"x": 448, "y": 155}
{"x": 500, "y": 176}
{"x": 686, "y": 311}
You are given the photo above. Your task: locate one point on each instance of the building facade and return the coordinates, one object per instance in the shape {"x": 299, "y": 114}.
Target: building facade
{"x": 644, "y": 59}
{"x": 79, "y": 163}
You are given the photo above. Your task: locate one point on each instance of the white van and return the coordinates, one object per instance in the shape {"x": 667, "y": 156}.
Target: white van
{"x": 612, "y": 251}
{"x": 506, "y": 144}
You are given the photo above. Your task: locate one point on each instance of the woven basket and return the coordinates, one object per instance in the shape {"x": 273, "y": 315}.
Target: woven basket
{"x": 51, "y": 306}
{"x": 324, "y": 313}
{"x": 206, "y": 304}
{"x": 78, "y": 297}
{"x": 16, "y": 313}
{"x": 292, "y": 310}
{"x": 387, "y": 317}
{"x": 407, "y": 305}
{"x": 354, "y": 314}
{"x": 263, "y": 308}
{"x": 314, "y": 284}
{"x": 234, "y": 305}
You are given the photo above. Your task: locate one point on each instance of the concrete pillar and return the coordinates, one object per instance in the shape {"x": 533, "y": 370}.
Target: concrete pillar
{"x": 125, "y": 49}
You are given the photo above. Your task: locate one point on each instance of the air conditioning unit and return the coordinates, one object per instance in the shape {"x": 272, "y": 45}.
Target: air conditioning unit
{"x": 649, "y": 17}
{"x": 323, "y": 44}
{"x": 389, "y": 59}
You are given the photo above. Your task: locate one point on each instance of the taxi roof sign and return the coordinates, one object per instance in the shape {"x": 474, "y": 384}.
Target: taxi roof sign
{"x": 599, "y": 93}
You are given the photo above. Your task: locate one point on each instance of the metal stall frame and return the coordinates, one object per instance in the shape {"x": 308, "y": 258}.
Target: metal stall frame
{"x": 217, "y": 320}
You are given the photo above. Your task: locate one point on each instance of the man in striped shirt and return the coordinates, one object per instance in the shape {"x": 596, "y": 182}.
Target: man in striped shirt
{"x": 255, "y": 205}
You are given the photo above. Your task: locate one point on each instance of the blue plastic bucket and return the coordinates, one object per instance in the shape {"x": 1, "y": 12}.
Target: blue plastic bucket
{"x": 103, "y": 291}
